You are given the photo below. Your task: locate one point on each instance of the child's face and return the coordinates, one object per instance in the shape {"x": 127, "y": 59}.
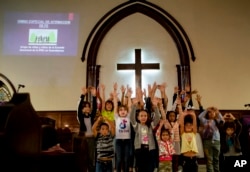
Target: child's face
{"x": 104, "y": 130}
{"x": 143, "y": 117}
{"x": 165, "y": 136}
{"x": 123, "y": 112}
{"x": 211, "y": 114}
{"x": 108, "y": 106}
{"x": 171, "y": 117}
{"x": 229, "y": 131}
{"x": 188, "y": 127}
{"x": 86, "y": 109}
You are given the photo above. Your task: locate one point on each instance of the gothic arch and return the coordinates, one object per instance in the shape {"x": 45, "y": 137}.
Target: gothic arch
{"x": 118, "y": 13}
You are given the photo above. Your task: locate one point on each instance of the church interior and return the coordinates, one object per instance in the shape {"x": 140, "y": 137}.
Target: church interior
{"x": 49, "y": 50}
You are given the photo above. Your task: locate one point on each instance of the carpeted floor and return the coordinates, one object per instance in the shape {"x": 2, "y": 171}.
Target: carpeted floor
{"x": 202, "y": 168}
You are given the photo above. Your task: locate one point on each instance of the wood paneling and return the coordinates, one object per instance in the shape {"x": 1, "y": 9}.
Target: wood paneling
{"x": 63, "y": 119}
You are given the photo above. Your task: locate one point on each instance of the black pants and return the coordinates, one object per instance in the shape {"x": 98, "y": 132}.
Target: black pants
{"x": 175, "y": 162}
{"x": 144, "y": 159}
{"x": 190, "y": 164}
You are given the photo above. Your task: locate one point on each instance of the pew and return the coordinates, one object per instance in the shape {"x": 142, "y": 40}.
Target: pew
{"x": 21, "y": 140}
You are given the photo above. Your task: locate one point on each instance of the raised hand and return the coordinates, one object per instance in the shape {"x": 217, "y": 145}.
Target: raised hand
{"x": 115, "y": 86}
{"x": 198, "y": 98}
{"x": 176, "y": 89}
{"x": 92, "y": 91}
{"x": 84, "y": 90}
{"x": 123, "y": 89}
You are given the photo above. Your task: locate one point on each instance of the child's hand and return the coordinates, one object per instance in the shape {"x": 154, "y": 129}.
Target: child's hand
{"x": 155, "y": 101}
{"x": 93, "y": 91}
{"x": 135, "y": 101}
{"x": 123, "y": 89}
{"x": 178, "y": 101}
{"x": 198, "y": 98}
{"x": 189, "y": 112}
{"x": 129, "y": 92}
{"x": 84, "y": 90}
{"x": 102, "y": 86}
{"x": 195, "y": 91}
{"x": 231, "y": 116}
{"x": 176, "y": 89}
{"x": 183, "y": 92}
{"x": 115, "y": 86}
{"x": 100, "y": 118}
{"x": 228, "y": 116}
{"x": 187, "y": 88}
{"x": 162, "y": 87}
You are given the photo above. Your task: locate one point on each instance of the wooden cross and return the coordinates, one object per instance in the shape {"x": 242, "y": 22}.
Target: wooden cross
{"x": 138, "y": 67}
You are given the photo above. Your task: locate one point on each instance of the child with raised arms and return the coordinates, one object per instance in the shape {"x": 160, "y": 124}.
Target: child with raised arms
{"x": 104, "y": 131}
{"x": 123, "y": 142}
{"x": 166, "y": 149}
{"x": 189, "y": 149}
{"x": 144, "y": 142}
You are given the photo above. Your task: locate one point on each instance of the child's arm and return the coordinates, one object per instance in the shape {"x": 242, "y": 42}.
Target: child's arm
{"x": 123, "y": 90}
{"x": 179, "y": 107}
{"x": 163, "y": 113}
{"x": 129, "y": 103}
{"x": 102, "y": 95}
{"x": 133, "y": 112}
{"x": 181, "y": 121}
{"x": 219, "y": 118}
{"x": 95, "y": 126}
{"x": 80, "y": 102}
{"x": 164, "y": 97}
{"x": 94, "y": 104}
{"x": 156, "y": 110}
{"x": 237, "y": 123}
{"x": 158, "y": 131}
{"x": 198, "y": 99}
{"x": 153, "y": 90}
{"x": 202, "y": 117}
{"x": 111, "y": 127}
{"x": 191, "y": 112}
{"x": 175, "y": 95}
{"x": 115, "y": 102}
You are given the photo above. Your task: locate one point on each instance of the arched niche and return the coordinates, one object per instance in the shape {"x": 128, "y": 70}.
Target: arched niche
{"x": 148, "y": 9}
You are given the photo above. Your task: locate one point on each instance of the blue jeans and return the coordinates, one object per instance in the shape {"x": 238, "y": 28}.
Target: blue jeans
{"x": 212, "y": 152}
{"x": 104, "y": 166}
{"x": 122, "y": 153}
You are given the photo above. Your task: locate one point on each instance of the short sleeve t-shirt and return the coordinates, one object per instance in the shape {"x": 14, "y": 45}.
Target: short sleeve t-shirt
{"x": 122, "y": 127}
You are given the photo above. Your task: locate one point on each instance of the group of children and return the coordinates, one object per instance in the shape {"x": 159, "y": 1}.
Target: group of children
{"x": 139, "y": 133}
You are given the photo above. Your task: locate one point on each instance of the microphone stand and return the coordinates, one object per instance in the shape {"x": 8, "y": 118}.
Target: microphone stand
{"x": 20, "y": 86}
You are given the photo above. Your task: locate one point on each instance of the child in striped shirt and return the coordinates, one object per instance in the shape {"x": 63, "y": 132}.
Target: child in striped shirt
{"x": 104, "y": 144}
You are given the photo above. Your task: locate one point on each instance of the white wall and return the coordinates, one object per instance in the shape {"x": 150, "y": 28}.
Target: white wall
{"x": 218, "y": 30}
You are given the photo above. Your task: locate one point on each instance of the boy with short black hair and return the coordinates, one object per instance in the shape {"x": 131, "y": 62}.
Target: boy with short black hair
{"x": 104, "y": 132}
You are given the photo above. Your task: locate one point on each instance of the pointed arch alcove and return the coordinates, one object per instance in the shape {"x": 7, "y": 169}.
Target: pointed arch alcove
{"x": 168, "y": 22}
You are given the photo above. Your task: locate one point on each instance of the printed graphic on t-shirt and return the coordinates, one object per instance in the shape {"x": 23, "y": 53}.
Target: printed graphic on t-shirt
{"x": 144, "y": 134}
{"x": 123, "y": 124}
{"x": 122, "y": 128}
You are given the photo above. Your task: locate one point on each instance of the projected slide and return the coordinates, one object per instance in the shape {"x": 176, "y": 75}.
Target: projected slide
{"x": 40, "y": 34}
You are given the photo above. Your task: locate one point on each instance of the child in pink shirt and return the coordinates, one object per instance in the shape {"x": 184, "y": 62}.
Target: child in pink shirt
{"x": 166, "y": 148}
